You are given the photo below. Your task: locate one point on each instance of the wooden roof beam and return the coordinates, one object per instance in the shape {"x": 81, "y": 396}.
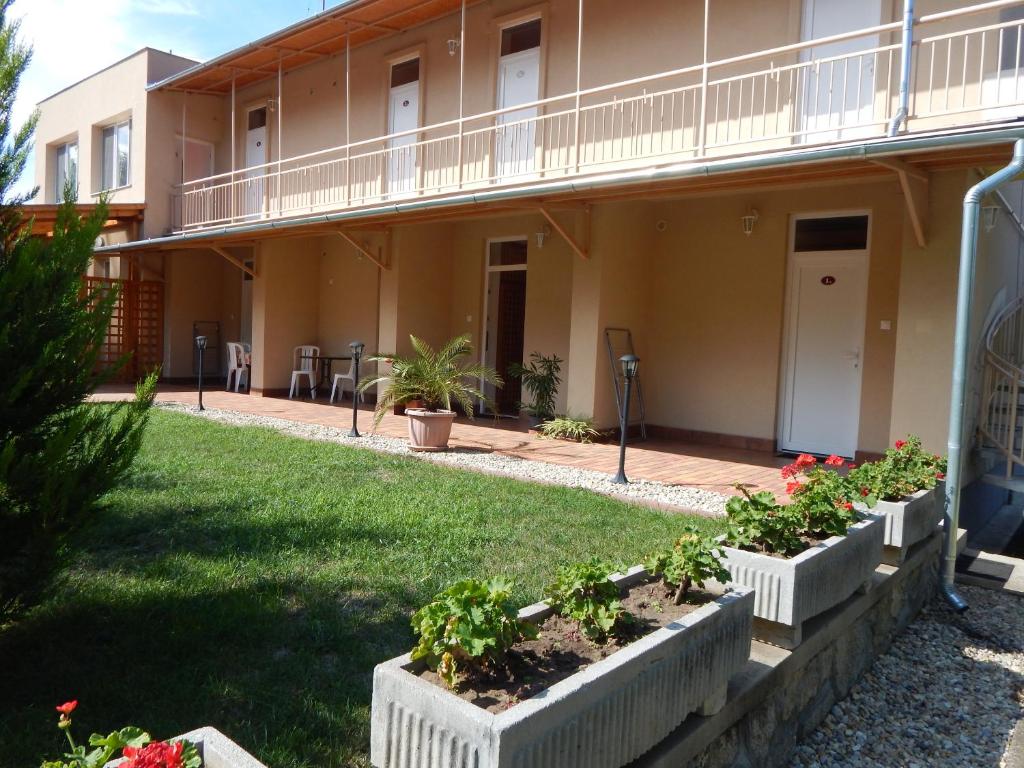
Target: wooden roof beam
{"x": 577, "y": 248}
{"x": 237, "y": 262}
{"x": 359, "y": 247}
{"x": 914, "y": 184}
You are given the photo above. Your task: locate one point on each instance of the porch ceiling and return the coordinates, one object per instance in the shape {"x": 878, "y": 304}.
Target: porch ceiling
{"x": 307, "y": 41}
{"x": 43, "y": 216}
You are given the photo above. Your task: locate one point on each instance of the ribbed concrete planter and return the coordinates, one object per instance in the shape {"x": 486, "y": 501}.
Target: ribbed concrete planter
{"x": 791, "y": 590}
{"x": 908, "y": 522}
{"x": 602, "y": 717}
{"x": 429, "y": 430}
{"x": 216, "y": 749}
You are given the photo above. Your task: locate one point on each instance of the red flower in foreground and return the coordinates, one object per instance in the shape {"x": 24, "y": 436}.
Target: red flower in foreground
{"x": 805, "y": 460}
{"x": 67, "y": 707}
{"x": 845, "y": 505}
{"x": 900, "y": 444}
{"x": 864, "y": 492}
{"x": 156, "y": 754}
{"x": 793, "y": 486}
{"x": 789, "y": 471}
{"x": 834, "y": 461}
{"x": 940, "y": 475}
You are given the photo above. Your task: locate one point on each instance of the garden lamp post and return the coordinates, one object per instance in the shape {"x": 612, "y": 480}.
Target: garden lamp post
{"x": 201, "y": 346}
{"x": 357, "y": 348}
{"x": 629, "y": 366}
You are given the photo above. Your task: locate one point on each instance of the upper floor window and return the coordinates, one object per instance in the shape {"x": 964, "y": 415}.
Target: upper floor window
{"x": 66, "y": 170}
{"x": 116, "y": 149}
{"x": 521, "y": 37}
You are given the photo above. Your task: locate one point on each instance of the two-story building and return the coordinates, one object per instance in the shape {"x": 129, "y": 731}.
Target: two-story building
{"x": 767, "y": 195}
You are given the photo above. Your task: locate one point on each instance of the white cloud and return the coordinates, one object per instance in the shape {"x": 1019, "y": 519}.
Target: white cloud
{"x": 168, "y": 7}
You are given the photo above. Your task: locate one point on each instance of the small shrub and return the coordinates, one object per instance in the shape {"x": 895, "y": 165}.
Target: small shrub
{"x": 903, "y": 471}
{"x": 568, "y": 428}
{"x": 585, "y": 593}
{"x": 469, "y": 625}
{"x": 823, "y": 497}
{"x": 541, "y": 379}
{"x": 758, "y": 520}
{"x": 694, "y": 559}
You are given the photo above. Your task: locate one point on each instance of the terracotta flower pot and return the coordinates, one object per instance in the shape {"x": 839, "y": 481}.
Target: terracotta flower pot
{"x": 429, "y": 430}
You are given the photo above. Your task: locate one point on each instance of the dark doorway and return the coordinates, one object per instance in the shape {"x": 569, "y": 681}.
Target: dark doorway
{"x": 509, "y": 336}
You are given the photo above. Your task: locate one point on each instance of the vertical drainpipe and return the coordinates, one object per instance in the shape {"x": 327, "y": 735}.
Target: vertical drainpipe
{"x": 958, "y": 394}
{"x": 906, "y": 58}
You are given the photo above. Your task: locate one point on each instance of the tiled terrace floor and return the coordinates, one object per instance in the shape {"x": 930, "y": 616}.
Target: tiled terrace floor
{"x": 690, "y": 464}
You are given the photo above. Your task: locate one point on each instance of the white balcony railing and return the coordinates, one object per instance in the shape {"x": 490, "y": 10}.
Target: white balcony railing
{"x": 765, "y": 100}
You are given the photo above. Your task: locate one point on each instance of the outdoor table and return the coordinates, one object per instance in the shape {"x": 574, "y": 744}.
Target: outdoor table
{"x": 328, "y": 363}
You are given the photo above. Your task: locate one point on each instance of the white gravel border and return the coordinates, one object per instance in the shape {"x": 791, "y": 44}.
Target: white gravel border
{"x": 672, "y": 497}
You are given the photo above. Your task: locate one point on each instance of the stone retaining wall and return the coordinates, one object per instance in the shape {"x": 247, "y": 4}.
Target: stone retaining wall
{"x": 781, "y": 696}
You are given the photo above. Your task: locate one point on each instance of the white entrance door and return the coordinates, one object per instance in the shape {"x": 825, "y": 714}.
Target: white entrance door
{"x": 839, "y": 91}
{"x": 516, "y": 133}
{"x": 403, "y": 115}
{"x": 826, "y": 299}
{"x": 255, "y": 155}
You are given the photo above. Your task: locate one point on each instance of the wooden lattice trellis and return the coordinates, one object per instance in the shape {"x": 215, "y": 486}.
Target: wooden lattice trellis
{"x": 136, "y": 325}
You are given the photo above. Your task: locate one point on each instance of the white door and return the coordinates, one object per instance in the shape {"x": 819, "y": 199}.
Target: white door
{"x": 823, "y": 348}
{"x": 516, "y": 133}
{"x": 839, "y": 91}
{"x": 403, "y": 115}
{"x": 255, "y": 155}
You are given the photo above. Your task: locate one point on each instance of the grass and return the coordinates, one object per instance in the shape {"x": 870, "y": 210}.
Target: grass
{"x": 251, "y": 581}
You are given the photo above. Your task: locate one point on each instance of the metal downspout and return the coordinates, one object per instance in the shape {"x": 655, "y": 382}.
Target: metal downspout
{"x": 958, "y": 394}
{"x": 906, "y": 57}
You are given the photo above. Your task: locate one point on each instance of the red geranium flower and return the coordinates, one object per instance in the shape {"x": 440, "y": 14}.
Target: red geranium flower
{"x": 834, "y": 461}
{"x": 845, "y": 505}
{"x": 156, "y": 754}
{"x": 793, "y": 486}
{"x": 67, "y": 707}
{"x": 805, "y": 460}
{"x": 940, "y": 475}
{"x": 864, "y": 492}
{"x": 790, "y": 470}
{"x": 900, "y": 444}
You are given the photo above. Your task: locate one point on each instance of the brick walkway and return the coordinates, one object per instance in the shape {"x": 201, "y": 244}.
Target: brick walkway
{"x": 690, "y": 464}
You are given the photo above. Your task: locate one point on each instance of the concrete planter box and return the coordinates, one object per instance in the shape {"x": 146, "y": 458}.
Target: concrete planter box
{"x": 791, "y": 590}
{"x": 601, "y": 717}
{"x": 216, "y": 749}
{"x": 908, "y": 522}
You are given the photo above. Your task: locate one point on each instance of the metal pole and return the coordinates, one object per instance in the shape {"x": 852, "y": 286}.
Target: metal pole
{"x": 232, "y": 186}
{"x": 702, "y": 130}
{"x": 906, "y": 57}
{"x": 348, "y": 112}
{"x": 462, "y": 76}
{"x": 354, "y": 432}
{"x": 620, "y": 478}
{"x": 579, "y": 68}
{"x": 961, "y": 342}
{"x": 280, "y": 131}
{"x": 201, "y": 349}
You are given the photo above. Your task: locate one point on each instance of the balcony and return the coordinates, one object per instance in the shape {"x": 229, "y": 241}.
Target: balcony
{"x": 801, "y": 95}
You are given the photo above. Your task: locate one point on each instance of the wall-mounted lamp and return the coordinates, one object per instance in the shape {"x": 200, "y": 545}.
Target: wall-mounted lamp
{"x": 453, "y": 46}
{"x": 749, "y": 220}
{"x": 989, "y": 215}
{"x": 271, "y": 105}
{"x": 543, "y": 235}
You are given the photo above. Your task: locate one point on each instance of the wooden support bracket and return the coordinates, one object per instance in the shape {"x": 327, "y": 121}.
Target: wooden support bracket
{"x": 359, "y": 247}
{"x": 237, "y": 262}
{"x": 914, "y": 183}
{"x": 580, "y": 250}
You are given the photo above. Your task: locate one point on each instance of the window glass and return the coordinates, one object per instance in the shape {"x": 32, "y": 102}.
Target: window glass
{"x": 66, "y": 170}
{"x": 405, "y": 72}
{"x": 508, "y": 254}
{"x": 834, "y": 233}
{"x": 123, "y": 153}
{"x": 257, "y": 118}
{"x": 109, "y": 147}
{"x": 117, "y": 155}
{"x": 521, "y": 37}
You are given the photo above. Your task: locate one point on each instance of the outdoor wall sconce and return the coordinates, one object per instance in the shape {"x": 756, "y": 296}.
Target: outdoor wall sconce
{"x": 271, "y": 105}
{"x": 749, "y": 220}
{"x": 542, "y": 236}
{"x": 357, "y": 348}
{"x": 989, "y": 216}
{"x": 453, "y": 46}
{"x": 201, "y": 346}
{"x": 630, "y": 363}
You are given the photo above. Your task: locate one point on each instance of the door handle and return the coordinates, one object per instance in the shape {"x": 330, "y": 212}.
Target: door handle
{"x": 855, "y": 356}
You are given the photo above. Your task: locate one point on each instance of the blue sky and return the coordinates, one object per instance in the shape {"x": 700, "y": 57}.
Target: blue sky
{"x": 100, "y": 32}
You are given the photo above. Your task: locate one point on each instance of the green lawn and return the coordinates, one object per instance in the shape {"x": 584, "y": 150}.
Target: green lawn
{"x": 251, "y": 581}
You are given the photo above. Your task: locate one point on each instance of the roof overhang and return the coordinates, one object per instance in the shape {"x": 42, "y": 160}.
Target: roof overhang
{"x": 307, "y": 41}
{"x": 832, "y": 164}
{"x": 43, "y": 216}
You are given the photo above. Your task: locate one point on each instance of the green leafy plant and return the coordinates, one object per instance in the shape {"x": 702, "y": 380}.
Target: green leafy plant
{"x": 822, "y": 496}
{"x": 905, "y": 469}
{"x": 585, "y": 593}
{"x": 437, "y": 378}
{"x": 471, "y": 625}
{"x": 136, "y": 746}
{"x": 693, "y": 559}
{"x": 568, "y": 428}
{"x": 758, "y": 520}
{"x": 541, "y": 379}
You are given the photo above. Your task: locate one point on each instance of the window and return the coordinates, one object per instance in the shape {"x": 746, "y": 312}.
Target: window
{"x": 405, "y": 72}
{"x": 66, "y": 170}
{"x": 833, "y": 233}
{"x": 116, "y": 148}
{"x": 521, "y": 37}
{"x": 1009, "y": 38}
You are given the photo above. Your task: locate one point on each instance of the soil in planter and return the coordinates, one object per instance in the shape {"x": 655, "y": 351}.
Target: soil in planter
{"x": 806, "y": 541}
{"x": 561, "y": 650}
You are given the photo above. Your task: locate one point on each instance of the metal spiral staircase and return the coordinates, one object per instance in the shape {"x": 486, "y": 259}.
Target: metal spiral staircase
{"x": 1002, "y": 407}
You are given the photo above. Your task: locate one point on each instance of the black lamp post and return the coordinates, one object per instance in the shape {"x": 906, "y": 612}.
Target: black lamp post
{"x": 357, "y": 348}
{"x": 629, "y": 366}
{"x": 201, "y": 346}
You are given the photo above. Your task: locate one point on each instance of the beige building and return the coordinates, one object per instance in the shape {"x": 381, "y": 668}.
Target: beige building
{"x": 743, "y": 185}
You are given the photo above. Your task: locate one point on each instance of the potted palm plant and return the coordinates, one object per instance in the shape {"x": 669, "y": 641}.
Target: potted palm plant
{"x": 541, "y": 379}
{"x": 437, "y": 379}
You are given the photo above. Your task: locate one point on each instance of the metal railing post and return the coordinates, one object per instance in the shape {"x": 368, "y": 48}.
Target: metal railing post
{"x": 702, "y": 128}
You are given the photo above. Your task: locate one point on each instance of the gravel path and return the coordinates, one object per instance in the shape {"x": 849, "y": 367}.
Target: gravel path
{"x": 674, "y": 497}
{"x": 948, "y": 693}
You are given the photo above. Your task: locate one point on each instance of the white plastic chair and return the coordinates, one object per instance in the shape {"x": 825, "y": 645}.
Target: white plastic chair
{"x": 305, "y": 365}
{"x": 341, "y": 378}
{"x": 236, "y": 365}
